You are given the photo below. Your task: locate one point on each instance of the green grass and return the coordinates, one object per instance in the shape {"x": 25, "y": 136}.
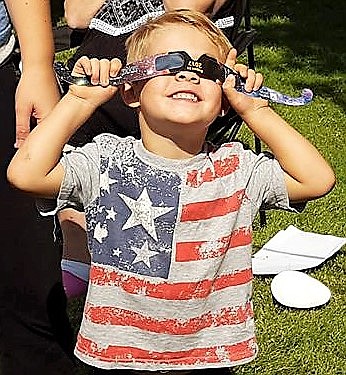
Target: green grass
{"x": 302, "y": 44}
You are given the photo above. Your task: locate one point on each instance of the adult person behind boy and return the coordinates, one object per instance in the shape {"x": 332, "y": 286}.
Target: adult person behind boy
{"x": 167, "y": 291}
{"x": 109, "y": 24}
{"x": 35, "y": 336}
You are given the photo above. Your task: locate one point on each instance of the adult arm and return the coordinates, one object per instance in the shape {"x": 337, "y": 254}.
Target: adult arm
{"x": 208, "y": 7}
{"x": 37, "y": 91}
{"x": 78, "y": 15}
{"x": 307, "y": 174}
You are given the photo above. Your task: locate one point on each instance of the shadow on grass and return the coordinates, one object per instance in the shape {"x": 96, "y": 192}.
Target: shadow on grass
{"x": 312, "y": 34}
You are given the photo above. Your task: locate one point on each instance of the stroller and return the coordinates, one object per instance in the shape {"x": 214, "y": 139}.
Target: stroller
{"x": 241, "y": 36}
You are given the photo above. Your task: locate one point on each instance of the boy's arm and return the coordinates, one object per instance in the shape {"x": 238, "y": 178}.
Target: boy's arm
{"x": 32, "y": 22}
{"x": 307, "y": 174}
{"x": 35, "y": 167}
{"x": 79, "y": 14}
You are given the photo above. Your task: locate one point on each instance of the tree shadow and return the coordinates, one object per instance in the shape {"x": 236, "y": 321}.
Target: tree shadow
{"x": 312, "y": 34}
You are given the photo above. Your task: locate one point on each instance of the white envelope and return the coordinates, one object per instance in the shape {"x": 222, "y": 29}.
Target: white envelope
{"x": 294, "y": 249}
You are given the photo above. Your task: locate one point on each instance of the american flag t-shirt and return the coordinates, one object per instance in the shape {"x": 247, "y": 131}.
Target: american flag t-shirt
{"x": 136, "y": 218}
{"x": 170, "y": 280}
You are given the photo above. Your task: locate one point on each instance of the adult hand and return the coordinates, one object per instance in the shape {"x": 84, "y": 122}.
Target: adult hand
{"x": 37, "y": 93}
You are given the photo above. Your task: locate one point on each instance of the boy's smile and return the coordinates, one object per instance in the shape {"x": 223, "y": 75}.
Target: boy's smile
{"x": 183, "y": 98}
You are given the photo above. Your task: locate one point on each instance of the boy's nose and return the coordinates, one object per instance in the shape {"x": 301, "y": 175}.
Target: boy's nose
{"x": 187, "y": 76}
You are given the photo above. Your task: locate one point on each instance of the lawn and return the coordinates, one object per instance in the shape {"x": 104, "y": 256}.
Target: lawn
{"x": 302, "y": 44}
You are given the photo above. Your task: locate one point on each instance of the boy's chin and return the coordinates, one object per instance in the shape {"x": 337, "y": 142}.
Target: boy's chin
{"x": 190, "y": 120}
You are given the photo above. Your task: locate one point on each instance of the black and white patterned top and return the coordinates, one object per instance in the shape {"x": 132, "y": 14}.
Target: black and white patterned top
{"x": 117, "y": 17}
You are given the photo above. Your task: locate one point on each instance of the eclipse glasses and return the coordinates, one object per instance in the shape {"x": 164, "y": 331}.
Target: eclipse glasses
{"x": 175, "y": 62}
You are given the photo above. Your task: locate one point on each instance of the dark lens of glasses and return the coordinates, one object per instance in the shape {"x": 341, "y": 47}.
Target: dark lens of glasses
{"x": 170, "y": 61}
{"x": 212, "y": 69}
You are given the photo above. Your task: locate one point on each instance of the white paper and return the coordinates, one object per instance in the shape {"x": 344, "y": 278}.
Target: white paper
{"x": 294, "y": 249}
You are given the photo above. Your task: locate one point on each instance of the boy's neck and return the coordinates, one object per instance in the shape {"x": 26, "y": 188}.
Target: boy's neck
{"x": 173, "y": 146}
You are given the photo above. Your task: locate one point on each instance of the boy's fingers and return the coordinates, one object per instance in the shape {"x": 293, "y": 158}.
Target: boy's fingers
{"x": 228, "y": 85}
{"x": 95, "y": 71}
{"x": 250, "y": 80}
{"x": 82, "y": 66}
{"x": 258, "y": 82}
{"x": 241, "y": 69}
{"x": 98, "y": 70}
{"x": 104, "y": 72}
{"x": 115, "y": 67}
{"x": 231, "y": 58}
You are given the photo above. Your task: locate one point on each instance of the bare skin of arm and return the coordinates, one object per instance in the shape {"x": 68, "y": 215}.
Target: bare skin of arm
{"x": 208, "y": 7}
{"x": 36, "y": 169}
{"x": 78, "y": 16}
{"x": 307, "y": 174}
{"x": 32, "y": 22}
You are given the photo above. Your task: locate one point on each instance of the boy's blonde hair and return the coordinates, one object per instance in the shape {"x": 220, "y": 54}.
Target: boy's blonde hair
{"x": 136, "y": 44}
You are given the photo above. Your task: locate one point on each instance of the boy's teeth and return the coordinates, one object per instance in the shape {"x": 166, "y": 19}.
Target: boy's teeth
{"x": 184, "y": 95}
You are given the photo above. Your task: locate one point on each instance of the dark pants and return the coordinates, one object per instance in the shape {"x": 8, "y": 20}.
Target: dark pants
{"x": 35, "y": 334}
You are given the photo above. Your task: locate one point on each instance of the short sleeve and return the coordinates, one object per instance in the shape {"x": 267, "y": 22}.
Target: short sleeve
{"x": 80, "y": 185}
{"x": 266, "y": 185}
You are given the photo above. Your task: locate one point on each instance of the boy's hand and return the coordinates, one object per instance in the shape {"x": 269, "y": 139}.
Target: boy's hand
{"x": 240, "y": 102}
{"x": 99, "y": 72}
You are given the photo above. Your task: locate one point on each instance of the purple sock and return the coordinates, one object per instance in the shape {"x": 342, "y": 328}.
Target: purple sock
{"x": 73, "y": 285}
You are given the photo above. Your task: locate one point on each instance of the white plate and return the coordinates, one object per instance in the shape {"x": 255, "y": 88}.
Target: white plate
{"x": 299, "y": 290}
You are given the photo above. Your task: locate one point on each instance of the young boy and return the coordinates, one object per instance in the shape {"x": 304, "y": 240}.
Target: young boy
{"x": 169, "y": 217}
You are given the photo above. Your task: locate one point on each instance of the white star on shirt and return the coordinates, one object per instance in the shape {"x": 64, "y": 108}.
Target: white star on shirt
{"x": 143, "y": 212}
{"x": 116, "y": 252}
{"x": 100, "y": 233}
{"x": 143, "y": 254}
{"x": 105, "y": 181}
{"x": 130, "y": 170}
{"x": 111, "y": 214}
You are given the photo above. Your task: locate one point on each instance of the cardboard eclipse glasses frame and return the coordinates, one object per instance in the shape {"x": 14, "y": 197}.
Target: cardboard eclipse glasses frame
{"x": 174, "y": 62}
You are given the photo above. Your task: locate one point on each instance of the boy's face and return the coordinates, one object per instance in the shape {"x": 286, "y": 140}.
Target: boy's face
{"x": 183, "y": 98}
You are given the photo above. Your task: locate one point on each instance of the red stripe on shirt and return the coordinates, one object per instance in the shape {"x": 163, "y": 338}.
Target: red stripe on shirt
{"x": 126, "y": 354}
{"x": 215, "y": 208}
{"x": 197, "y": 250}
{"x": 121, "y": 317}
{"x": 221, "y": 168}
{"x": 165, "y": 290}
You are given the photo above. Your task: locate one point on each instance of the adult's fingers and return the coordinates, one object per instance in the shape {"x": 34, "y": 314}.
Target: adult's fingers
{"x": 23, "y": 116}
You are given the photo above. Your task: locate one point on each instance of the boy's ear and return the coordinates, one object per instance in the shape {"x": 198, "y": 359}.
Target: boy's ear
{"x": 130, "y": 95}
{"x": 224, "y": 106}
